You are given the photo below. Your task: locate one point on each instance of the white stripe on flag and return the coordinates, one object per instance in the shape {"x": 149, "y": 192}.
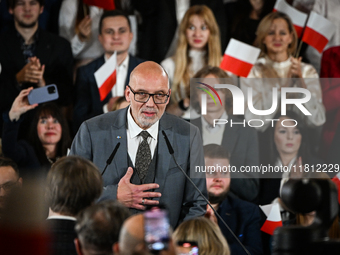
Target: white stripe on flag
{"x": 321, "y": 25}
{"x": 242, "y": 51}
{"x": 104, "y": 72}
{"x": 297, "y": 17}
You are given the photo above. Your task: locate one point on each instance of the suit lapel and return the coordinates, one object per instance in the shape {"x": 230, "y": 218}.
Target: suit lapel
{"x": 163, "y": 155}
{"x": 118, "y": 135}
{"x": 230, "y": 136}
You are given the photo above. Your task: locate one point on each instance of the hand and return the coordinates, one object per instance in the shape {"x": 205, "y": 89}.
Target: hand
{"x": 84, "y": 29}
{"x": 297, "y": 171}
{"x": 32, "y": 72}
{"x": 132, "y": 195}
{"x": 295, "y": 69}
{"x": 211, "y": 215}
{"x": 21, "y": 105}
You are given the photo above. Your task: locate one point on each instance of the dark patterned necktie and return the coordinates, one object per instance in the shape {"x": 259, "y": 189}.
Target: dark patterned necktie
{"x": 143, "y": 157}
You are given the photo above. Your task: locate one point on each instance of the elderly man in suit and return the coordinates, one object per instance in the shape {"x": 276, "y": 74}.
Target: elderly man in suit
{"x": 114, "y": 35}
{"x": 242, "y": 217}
{"x": 142, "y": 172}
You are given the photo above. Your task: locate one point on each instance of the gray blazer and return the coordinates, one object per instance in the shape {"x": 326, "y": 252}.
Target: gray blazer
{"x": 98, "y": 136}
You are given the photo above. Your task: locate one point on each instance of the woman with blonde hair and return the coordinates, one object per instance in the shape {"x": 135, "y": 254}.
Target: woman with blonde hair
{"x": 199, "y": 44}
{"x": 277, "y": 39}
{"x": 207, "y": 234}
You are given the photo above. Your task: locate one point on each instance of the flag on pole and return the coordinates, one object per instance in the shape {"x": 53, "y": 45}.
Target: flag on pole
{"x": 298, "y": 18}
{"x": 336, "y": 180}
{"x": 239, "y": 58}
{"x": 272, "y": 211}
{"x": 105, "y": 4}
{"x": 106, "y": 76}
{"x": 318, "y": 31}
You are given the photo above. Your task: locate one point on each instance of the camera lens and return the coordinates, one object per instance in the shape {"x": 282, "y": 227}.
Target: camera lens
{"x": 51, "y": 90}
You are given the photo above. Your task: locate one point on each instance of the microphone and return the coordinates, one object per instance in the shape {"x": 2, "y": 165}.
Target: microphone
{"x": 109, "y": 160}
{"x": 171, "y": 151}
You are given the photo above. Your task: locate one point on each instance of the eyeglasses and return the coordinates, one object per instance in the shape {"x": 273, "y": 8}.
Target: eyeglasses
{"x": 143, "y": 97}
{"x": 8, "y": 185}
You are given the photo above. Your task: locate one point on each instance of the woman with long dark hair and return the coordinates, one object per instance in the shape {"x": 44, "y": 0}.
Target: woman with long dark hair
{"x": 48, "y": 140}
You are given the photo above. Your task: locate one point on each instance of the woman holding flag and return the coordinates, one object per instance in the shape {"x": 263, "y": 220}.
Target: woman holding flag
{"x": 277, "y": 39}
{"x": 199, "y": 44}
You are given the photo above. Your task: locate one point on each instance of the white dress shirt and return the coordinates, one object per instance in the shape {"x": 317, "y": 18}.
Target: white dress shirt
{"x": 134, "y": 139}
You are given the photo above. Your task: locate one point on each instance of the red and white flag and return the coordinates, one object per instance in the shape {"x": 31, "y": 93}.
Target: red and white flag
{"x": 318, "y": 31}
{"x": 105, "y": 4}
{"x": 106, "y": 76}
{"x": 336, "y": 180}
{"x": 272, "y": 211}
{"x": 298, "y": 18}
{"x": 239, "y": 58}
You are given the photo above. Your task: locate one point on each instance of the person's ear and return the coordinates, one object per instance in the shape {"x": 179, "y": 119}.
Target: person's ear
{"x": 78, "y": 246}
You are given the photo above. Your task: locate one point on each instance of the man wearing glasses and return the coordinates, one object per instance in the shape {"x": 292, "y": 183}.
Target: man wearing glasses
{"x": 9, "y": 179}
{"x": 142, "y": 172}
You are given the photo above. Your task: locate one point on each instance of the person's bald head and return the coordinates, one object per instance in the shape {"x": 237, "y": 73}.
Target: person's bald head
{"x": 131, "y": 237}
{"x": 148, "y": 78}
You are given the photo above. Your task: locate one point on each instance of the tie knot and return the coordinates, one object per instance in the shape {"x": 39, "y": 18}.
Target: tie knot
{"x": 144, "y": 134}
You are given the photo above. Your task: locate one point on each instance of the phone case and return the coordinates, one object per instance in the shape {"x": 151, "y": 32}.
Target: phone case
{"x": 43, "y": 94}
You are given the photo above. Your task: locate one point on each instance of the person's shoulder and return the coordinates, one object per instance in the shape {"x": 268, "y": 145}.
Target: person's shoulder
{"x": 241, "y": 205}
{"x": 168, "y": 62}
{"x": 136, "y": 60}
{"x": 106, "y": 120}
{"x": 53, "y": 38}
{"x": 95, "y": 64}
{"x": 177, "y": 123}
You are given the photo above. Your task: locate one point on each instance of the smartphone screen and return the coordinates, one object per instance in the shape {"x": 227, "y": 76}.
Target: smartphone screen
{"x": 187, "y": 248}
{"x": 156, "y": 227}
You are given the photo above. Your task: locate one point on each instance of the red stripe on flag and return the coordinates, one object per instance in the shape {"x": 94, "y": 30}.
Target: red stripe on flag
{"x": 105, "y": 4}
{"x": 337, "y": 183}
{"x": 314, "y": 39}
{"x": 236, "y": 66}
{"x": 106, "y": 87}
{"x": 298, "y": 30}
{"x": 269, "y": 226}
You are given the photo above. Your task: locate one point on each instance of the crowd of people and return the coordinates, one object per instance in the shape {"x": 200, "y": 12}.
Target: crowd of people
{"x": 106, "y": 160}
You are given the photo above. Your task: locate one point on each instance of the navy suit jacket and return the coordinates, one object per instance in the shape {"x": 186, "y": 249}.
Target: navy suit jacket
{"x": 98, "y": 136}
{"x": 244, "y": 219}
{"x": 87, "y": 103}
{"x": 241, "y": 142}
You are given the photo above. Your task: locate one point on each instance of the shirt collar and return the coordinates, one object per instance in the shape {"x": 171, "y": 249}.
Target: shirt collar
{"x": 134, "y": 129}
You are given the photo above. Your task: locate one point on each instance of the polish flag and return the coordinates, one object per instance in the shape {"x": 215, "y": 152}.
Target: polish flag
{"x": 272, "y": 211}
{"x": 105, "y": 4}
{"x": 239, "y": 58}
{"x": 318, "y": 31}
{"x": 336, "y": 180}
{"x": 298, "y": 18}
{"x": 106, "y": 76}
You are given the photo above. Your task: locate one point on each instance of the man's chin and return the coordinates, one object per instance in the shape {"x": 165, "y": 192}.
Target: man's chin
{"x": 217, "y": 198}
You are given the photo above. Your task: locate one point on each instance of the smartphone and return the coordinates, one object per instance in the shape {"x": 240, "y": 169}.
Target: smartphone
{"x": 156, "y": 228}
{"x": 43, "y": 94}
{"x": 187, "y": 248}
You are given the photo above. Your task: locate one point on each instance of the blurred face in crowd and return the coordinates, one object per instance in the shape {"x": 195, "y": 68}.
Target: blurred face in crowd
{"x": 115, "y": 35}
{"x": 197, "y": 33}
{"x": 148, "y": 77}
{"x": 211, "y": 80}
{"x": 49, "y": 130}
{"x": 278, "y": 37}
{"x": 8, "y": 181}
{"x": 287, "y": 139}
{"x": 26, "y": 13}
{"x": 218, "y": 183}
